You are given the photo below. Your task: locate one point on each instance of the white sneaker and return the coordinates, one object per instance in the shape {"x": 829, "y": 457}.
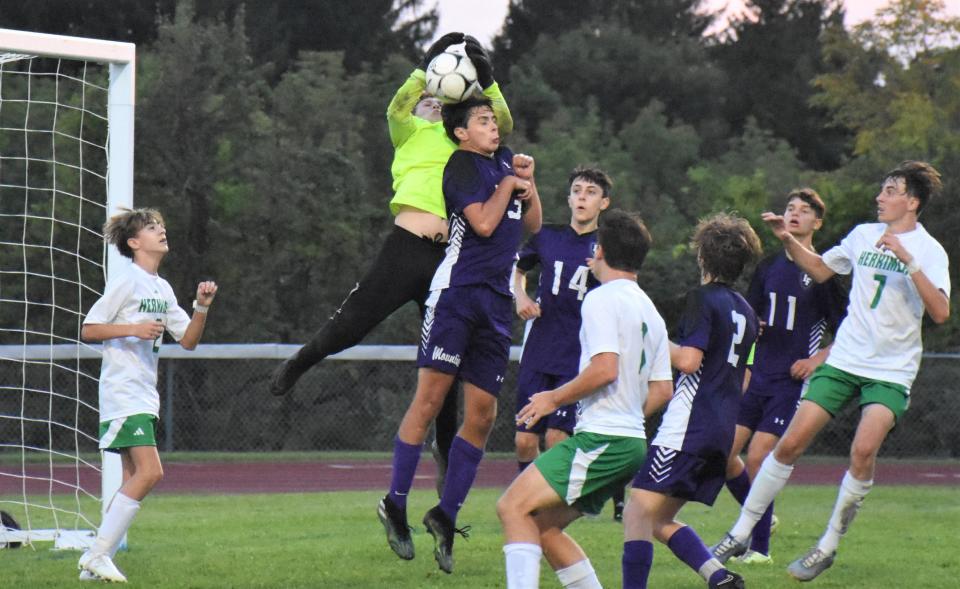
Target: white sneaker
{"x": 86, "y": 575}
{"x": 101, "y": 566}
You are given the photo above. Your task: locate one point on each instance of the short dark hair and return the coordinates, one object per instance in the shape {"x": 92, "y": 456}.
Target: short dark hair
{"x": 126, "y": 224}
{"x": 922, "y": 180}
{"x": 624, "y": 239}
{"x": 725, "y": 243}
{"x": 593, "y": 175}
{"x": 809, "y": 196}
{"x": 458, "y": 114}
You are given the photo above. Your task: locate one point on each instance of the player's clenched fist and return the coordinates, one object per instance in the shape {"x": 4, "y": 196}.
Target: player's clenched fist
{"x": 523, "y": 166}
{"x": 205, "y": 292}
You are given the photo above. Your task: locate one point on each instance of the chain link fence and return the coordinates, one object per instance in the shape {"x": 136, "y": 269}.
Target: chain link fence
{"x": 223, "y": 404}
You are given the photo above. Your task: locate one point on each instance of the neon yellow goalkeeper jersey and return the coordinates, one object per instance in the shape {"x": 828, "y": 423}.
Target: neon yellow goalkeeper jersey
{"x": 423, "y": 148}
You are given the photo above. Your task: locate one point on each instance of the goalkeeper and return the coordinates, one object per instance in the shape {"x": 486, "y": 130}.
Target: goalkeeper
{"x": 403, "y": 269}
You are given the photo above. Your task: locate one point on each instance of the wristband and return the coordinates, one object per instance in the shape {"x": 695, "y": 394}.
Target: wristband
{"x": 198, "y": 308}
{"x": 913, "y": 267}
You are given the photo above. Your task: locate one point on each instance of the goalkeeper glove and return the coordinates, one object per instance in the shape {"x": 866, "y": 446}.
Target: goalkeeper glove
{"x": 439, "y": 46}
{"x": 481, "y": 61}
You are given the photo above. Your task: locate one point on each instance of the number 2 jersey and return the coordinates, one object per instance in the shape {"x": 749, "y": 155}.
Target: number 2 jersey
{"x": 128, "y": 375}
{"x": 702, "y": 415}
{"x": 880, "y": 337}
{"x": 552, "y": 344}
{"x": 796, "y": 311}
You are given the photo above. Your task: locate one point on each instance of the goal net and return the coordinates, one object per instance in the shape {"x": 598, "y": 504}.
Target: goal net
{"x": 66, "y": 163}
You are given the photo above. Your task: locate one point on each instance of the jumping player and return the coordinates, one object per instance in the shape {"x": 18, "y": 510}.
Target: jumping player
{"x": 688, "y": 456}
{"x": 795, "y": 312}
{"x": 404, "y": 267}
{"x": 551, "y": 350}
{"x": 624, "y": 355}
{"x": 130, "y": 318}
{"x": 491, "y": 198}
{"x": 899, "y": 271}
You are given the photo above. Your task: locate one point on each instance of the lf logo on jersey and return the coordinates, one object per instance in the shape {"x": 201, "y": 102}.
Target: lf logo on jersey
{"x": 806, "y": 280}
{"x": 439, "y": 354}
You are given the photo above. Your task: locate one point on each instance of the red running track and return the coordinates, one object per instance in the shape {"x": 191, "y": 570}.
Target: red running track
{"x": 350, "y": 475}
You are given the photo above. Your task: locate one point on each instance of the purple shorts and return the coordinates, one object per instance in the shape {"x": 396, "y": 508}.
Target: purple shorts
{"x": 467, "y": 332}
{"x": 770, "y": 415}
{"x": 531, "y": 382}
{"x": 684, "y": 476}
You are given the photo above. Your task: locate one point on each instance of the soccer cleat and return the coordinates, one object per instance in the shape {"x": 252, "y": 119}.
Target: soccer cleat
{"x": 728, "y": 548}
{"x": 442, "y": 529}
{"x": 810, "y": 565}
{"x": 618, "y": 511}
{"x": 754, "y": 557}
{"x": 441, "y": 461}
{"x": 284, "y": 378}
{"x": 730, "y": 580}
{"x": 101, "y": 566}
{"x": 394, "y": 520}
{"x": 88, "y": 576}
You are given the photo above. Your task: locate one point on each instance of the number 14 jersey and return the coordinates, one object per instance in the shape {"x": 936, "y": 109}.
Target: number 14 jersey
{"x": 552, "y": 344}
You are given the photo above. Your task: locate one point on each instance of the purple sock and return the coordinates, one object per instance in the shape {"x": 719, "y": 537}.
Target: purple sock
{"x": 522, "y": 466}
{"x": 405, "y": 459}
{"x": 739, "y": 486}
{"x": 636, "y": 563}
{"x": 461, "y": 470}
{"x": 688, "y": 547}
{"x": 761, "y": 532}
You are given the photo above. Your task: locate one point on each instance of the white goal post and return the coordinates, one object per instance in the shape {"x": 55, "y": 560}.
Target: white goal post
{"x": 120, "y": 59}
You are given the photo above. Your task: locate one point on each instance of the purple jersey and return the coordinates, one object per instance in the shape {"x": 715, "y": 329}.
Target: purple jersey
{"x": 552, "y": 345}
{"x": 797, "y": 310}
{"x": 471, "y": 259}
{"x": 702, "y": 415}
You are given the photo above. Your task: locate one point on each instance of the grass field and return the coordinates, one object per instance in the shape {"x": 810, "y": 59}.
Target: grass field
{"x": 904, "y": 537}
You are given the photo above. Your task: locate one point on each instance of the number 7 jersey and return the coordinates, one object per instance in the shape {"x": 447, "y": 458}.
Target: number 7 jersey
{"x": 552, "y": 344}
{"x": 880, "y": 337}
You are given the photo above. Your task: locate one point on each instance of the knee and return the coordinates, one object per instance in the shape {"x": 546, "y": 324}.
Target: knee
{"x": 788, "y": 450}
{"x": 481, "y": 420}
{"x": 527, "y": 444}
{"x": 505, "y": 508}
{"x": 862, "y": 456}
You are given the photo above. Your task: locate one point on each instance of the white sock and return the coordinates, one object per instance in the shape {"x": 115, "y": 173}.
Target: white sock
{"x": 579, "y": 575}
{"x": 770, "y": 480}
{"x": 115, "y": 524}
{"x": 849, "y": 499}
{"x": 523, "y": 565}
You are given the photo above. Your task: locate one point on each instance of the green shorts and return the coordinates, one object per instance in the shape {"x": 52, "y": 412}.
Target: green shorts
{"x": 127, "y": 432}
{"x": 586, "y": 469}
{"x": 832, "y": 388}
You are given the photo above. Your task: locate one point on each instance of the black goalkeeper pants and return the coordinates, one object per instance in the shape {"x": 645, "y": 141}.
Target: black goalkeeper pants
{"x": 401, "y": 273}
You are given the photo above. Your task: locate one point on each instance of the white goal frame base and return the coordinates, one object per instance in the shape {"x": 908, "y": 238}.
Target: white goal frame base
{"x": 62, "y": 539}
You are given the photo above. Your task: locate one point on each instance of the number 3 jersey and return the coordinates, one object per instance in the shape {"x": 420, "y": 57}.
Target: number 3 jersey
{"x": 702, "y": 415}
{"x": 796, "y": 311}
{"x": 551, "y": 344}
{"x": 880, "y": 337}
{"x": 470, "y": 178}
{"x": 128, "y": 376}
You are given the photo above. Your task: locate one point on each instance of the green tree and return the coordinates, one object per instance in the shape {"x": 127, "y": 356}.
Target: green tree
{"x": 771, "y": 56}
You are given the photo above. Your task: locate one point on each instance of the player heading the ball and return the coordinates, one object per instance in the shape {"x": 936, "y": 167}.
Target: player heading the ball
{"x": 491, "y": 198}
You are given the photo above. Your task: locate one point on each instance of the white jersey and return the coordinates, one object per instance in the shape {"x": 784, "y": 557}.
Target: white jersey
{"x": 880, "y": 337}
{"x": 619, "y": 317}
{"x": 128, "y": 376}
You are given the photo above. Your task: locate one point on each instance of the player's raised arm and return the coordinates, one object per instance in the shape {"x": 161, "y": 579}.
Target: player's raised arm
{"x": 808, "y": 260}
{"x": 206, "y": 291}
{"x": 481, "y": 61}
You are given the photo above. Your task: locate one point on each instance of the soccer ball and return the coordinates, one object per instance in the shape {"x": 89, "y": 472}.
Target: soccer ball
{"x": 451, "y": 76}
